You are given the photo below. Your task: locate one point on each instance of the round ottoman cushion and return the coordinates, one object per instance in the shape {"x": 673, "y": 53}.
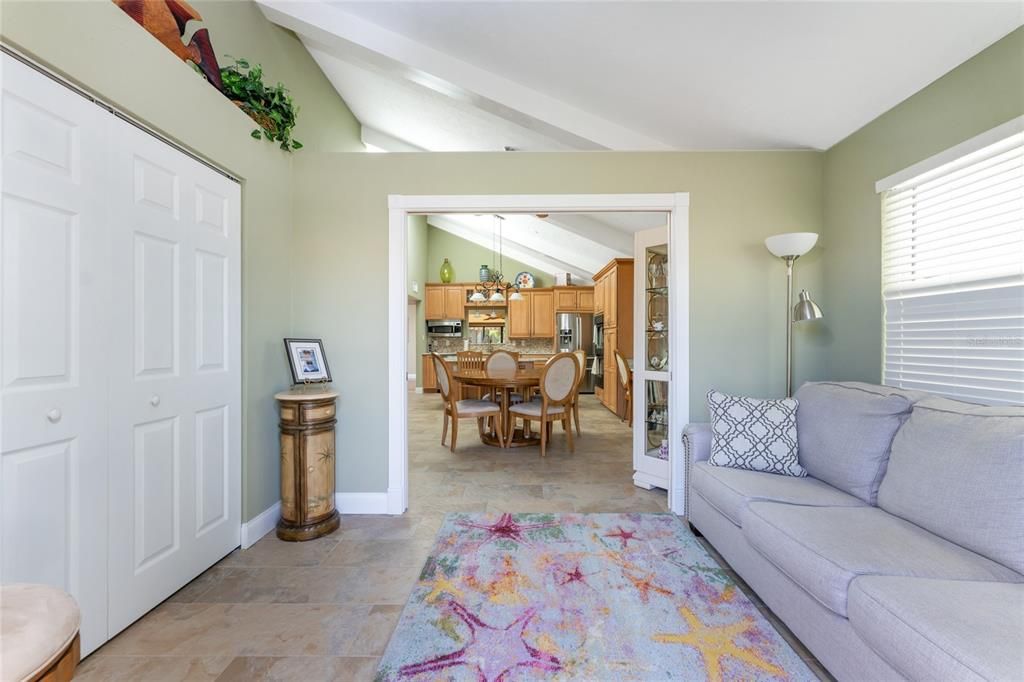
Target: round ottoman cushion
{"x": 37, "y": 623}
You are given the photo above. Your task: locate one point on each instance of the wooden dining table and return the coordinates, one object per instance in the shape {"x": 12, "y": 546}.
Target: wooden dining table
{"x": 504, "y": 381}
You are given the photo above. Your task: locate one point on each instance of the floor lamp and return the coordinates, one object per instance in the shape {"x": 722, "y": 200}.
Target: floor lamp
{"x": 789, "y": 247}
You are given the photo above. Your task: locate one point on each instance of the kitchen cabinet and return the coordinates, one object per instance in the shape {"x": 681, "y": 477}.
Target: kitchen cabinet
{"x": 574, "y": 299}
{"x": 429, "y": 383}
{"x": 613, "y": 296}
{"x": 543, "y": 314}
{"x": 444, "y": 301}
{"x": 534, "y": 316}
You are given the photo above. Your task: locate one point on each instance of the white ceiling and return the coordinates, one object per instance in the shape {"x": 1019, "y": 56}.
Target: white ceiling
{"x": 578, "y": 243}
{"x": 626, "y": 75}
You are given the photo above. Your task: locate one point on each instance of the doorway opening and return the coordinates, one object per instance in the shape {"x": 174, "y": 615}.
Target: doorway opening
{"x": 610, "y": 248}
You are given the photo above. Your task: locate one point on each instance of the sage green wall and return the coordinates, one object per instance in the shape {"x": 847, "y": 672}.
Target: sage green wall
{"x": 99, "y": 47}
{"x": 467, "y": 257}
{"x": 417, "y": 266}
{"x": 738, "y": 289}
{"x": 239, "y": 29}
{"x": 980, "y": 94}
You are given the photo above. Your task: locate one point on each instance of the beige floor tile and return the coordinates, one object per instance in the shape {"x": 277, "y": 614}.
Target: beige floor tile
{"x": 151, "y": 668}
{"x": 270, "y": 551}
{"x": 304, "y": 668}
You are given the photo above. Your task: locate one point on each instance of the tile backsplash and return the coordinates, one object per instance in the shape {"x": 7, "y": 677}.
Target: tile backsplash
{"x": 523, "y": 346}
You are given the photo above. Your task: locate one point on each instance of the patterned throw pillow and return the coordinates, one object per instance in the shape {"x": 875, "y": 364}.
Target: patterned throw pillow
{"x": 759, "y": 435}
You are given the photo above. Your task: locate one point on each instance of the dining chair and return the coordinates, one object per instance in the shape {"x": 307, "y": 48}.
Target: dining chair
{"x": 503, "y": 361}
{"x": 558, "y": 382}
{"x": 470, "y": 359}
{"x": 626, "y": 379}
{"x": 581, "y": 358}
{"x": 464, "y": 409}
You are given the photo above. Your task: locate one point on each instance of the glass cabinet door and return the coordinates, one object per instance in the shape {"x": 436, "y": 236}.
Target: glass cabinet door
{"x": 652, "y": 363}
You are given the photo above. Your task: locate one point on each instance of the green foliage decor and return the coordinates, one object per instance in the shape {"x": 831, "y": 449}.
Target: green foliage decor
{"x": 272, "y": 108}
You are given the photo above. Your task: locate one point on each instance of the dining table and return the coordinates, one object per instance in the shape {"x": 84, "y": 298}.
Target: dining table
{"x": 504, "y": 381}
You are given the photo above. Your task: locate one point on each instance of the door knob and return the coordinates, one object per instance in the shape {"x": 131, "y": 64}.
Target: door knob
{"x": 154, "y": 401}
{"x": 54, "y": 415}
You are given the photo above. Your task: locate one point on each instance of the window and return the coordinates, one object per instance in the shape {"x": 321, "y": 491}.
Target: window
{"x": 953, "y": 271}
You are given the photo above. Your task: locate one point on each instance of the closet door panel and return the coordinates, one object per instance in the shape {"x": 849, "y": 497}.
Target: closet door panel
{"x": 175, "y": 419}
{"x": 54, "y": 320}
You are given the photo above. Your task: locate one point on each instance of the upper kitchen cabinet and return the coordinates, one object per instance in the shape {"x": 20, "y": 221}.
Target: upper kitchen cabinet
{"x": 534, "y": 316}
{"x": 444, "y": 301}
{"x": 574, "y": 299}
{"x": 613, "y": 295}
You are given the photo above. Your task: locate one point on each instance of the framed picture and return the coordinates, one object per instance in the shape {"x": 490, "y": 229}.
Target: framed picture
{"x": 308, "y": 362}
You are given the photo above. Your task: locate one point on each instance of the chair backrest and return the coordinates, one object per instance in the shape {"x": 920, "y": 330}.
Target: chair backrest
{"x": 559, "y": 378}
{"x": 470, "y": 359}
{"x": 581, "y": 358}
{"x": 625, "y": 373}
{"x": 444, "y": 376}
{"x": 503, "y": 361}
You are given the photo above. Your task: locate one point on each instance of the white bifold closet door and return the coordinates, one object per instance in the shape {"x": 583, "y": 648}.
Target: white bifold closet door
{"x": 121, "y": 453}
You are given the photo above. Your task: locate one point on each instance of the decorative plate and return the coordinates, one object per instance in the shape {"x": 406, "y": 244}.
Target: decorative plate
{"x": 524, "y": 280}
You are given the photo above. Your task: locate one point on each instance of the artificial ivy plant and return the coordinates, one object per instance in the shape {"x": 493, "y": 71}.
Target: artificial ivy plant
{"x": 271, "y": 107}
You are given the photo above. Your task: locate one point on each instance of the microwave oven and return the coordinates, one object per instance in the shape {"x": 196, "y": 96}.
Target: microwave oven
{"x": 444, "y": 328}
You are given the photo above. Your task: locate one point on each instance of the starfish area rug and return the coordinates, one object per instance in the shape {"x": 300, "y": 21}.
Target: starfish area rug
{"x": 580, "y": 597}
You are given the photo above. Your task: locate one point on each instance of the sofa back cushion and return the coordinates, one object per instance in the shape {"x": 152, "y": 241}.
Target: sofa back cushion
{"x": 957, "y": 470}
{"x": 845, "y": 431}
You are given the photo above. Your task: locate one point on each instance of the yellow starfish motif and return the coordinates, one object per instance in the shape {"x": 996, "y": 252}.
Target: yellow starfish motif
{"x": 442, "y": 585}
{"x": 716, "y": 642}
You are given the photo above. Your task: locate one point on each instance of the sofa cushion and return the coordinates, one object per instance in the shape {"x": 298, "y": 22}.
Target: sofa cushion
{"x": 942, "y": 629}
{"x": 754, "y": 434}
{"x": 958, "y": 470}
{"x": 729, "y": 490}
{"x": 822, "y": 549}
{"x": 846, "y": 430}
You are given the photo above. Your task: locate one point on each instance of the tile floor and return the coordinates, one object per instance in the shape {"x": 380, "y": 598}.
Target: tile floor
{"x": 325, "y": 609}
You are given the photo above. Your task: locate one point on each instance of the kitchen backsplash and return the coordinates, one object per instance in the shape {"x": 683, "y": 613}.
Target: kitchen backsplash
{"x": 523, "y": 346}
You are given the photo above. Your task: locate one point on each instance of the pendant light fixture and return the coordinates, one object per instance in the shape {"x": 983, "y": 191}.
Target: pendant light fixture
{"x": 495, "y": 288}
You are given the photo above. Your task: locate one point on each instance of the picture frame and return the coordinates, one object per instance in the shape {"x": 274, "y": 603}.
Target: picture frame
{"x": 307, "y": 360}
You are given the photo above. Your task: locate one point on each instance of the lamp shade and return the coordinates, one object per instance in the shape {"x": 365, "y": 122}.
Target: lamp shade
{"x": 806, "y": 309}
{"x": 477, "y": 297}
{"x": 515, "y": 296}
{"x": 791, "y": 243}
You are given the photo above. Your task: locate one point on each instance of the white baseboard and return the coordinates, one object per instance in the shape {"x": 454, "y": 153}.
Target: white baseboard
{"x": 419, "y": 389}
{"x": 361, "y": 503}
{"x": 260, "y": 525}
{"x": 411, "y": 375}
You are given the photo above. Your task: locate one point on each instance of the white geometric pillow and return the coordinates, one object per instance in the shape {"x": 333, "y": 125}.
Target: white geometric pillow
{"x": 760, "y": 435}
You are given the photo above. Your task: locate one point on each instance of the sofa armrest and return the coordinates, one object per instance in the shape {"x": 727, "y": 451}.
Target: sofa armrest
{"x": 697, "y": 442}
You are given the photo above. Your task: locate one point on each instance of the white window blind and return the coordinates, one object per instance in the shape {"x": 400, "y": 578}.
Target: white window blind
{"x": 953, "y": 277}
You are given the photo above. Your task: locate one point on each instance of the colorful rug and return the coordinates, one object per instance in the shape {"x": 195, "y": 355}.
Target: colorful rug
{"x": 580, "y": 597}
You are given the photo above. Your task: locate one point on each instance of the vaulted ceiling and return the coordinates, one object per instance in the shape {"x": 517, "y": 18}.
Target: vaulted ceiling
{"x": 468, "y": 76}
{"x": 577, "y": 243}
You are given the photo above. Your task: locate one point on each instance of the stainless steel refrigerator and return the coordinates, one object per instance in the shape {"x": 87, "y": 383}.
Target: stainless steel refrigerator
{"x": 576, "y": 332}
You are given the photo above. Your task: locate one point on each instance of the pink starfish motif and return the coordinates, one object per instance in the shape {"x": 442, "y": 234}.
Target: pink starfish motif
{"x": 574, "y": 576}
{"x": 494, "y": 653}
{"x": 624, "y": 536}
{"x": 507, "y": 528}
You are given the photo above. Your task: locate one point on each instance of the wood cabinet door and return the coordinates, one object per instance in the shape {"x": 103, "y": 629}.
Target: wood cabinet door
{"x": 611, "y": 298}
{"x": 543, "y": 313}
{"x": 519, "y": 317}
{"x": 599, "y": 296}
{"x": 565, "y": 300}
{"x": 454, "y": 303}
{"x": 585, "y": 300}
{"x": 429, "y": 379}
{"x": 434, "y": 307}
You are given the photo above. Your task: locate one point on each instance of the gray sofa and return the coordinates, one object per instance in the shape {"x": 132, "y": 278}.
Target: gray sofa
{"x": 901, "y": 554}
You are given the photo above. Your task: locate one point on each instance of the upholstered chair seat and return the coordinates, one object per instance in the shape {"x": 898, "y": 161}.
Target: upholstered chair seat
{"x": 476, "y": 408}
{"x": 559, "y": 383}
{"x": 38, "y": 629}
{"x": 533, "y": 409}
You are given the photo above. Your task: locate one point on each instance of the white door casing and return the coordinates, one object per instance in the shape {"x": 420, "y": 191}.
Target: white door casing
{"x": 175, "y": 456}
{"x": 53, "y": 305}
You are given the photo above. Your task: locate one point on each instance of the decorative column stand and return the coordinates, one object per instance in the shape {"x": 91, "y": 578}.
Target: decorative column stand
{"x": 307, "y": 464}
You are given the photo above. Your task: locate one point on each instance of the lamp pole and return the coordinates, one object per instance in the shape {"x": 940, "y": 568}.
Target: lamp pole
{"x": 789, "y": 323}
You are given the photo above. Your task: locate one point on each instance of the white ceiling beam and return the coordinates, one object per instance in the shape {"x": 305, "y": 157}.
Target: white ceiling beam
{"x": 388, "y": 143}
{"x": 594, "y": 230}
{"x": 533, "y": 258}
{"x": 349, "y": 36}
